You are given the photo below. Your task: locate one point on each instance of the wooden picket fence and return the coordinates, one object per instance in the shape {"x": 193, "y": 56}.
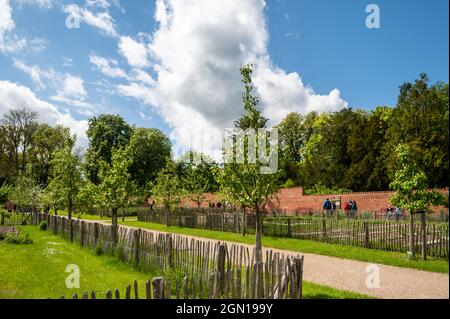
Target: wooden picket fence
{"x": 204, "y": 269}
{"x": 381, "y": 235}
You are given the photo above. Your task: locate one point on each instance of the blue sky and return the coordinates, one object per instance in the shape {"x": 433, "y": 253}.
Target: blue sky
{"x": 174, "y": 65}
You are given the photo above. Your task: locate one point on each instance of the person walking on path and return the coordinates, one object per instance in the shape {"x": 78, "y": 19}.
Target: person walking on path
{"x": 327, "y": 206}
{"x": 347, "y": 208}
{"x": 354, "y": 209}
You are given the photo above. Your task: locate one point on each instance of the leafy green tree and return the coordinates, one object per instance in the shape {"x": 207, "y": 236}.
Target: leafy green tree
{"x": 421, "y": 120}
{"x": 167, "y": 189}
{"x": 244, "y": 183}
{"x": 19, "y": 125}
{"x": 412, "y": 192}
{"x": 89, "y": 197}
{"x": 116, "y": 186}
{"x": 5, "y": 190}
{"x": 66, "y": 176}
{"x": 411, "y": 185}
{"x": 105, "y": 132}
{"x": 46, "y": 141}
{"x": 7, "y": 167}
{"x": 25, "y": 192}
{"x": 195, "y": 183}
{"x": 148, "y": 150}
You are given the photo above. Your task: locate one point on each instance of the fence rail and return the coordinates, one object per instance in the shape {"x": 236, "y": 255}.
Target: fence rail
{"x": 381, "y": 235}
{"x": 204, "y": 269}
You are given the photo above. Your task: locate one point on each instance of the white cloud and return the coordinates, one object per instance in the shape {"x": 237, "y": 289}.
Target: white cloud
{"x": 6, "y": 21}
{"x": 135, "y": 52}
{"x": 11, "y": 42}
{"x": 69, "y": 88}
{"x": 44, "y": 4}
{"x": 101, "y": 20}
{"x": 6, "y": 26}
{"x": 13, "y": 95}
{"x": 107, "y": 66}
{"x": 73, "y": 87}
{"x": 40, "y": 77}
{"x": 198, "y": 49}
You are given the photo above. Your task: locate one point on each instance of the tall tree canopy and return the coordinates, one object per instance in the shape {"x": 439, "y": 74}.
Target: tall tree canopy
{"x": 421, "y": 120}
{"x": 46, "y": 141}
{"x": 148, "y": 149}
{"x": 105, "y": 133}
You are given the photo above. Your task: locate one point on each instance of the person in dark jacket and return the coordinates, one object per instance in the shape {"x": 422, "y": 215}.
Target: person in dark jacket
{"x": 327, "y": 206}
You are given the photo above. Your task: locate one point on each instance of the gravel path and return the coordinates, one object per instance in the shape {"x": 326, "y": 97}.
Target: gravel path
{"x": 351, "y": 275}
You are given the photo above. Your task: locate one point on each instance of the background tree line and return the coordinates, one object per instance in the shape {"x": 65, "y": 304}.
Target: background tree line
{"x": 356, "y": 149}
{"x": 344, "y": 150}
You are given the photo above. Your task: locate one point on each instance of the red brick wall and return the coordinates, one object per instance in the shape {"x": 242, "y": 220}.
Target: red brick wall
{"x": 291, "y": 199}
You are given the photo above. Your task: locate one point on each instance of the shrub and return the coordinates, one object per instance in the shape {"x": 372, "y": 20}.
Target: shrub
{"x": 43, "y": 225}
{"x": 289, "y": 183}
{"x": 120, "y": 252}
{"x": 13, "y": 238}
{"x": 98, "y": 250}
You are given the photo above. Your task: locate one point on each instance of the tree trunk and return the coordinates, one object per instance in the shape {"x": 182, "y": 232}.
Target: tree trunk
{"x": 424, "y": 235}
{"x": 123, "y": 213}
{"x": 258, "y": 233}
{"x": 114, "y": 226}
{"x": 244, "y": 223}
{"x": 69, "y": 215}
{"x": 411, "y": 235}
{"x": 258, "y": 257}
{"x": 2, "y": 220}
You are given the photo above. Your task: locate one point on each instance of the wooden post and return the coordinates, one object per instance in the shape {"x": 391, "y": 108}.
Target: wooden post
{"x": 366, "y": 237}
{"x": 71, "y": 230}
{"x": 221, "y": 267}
{"x": 96, "y": 232}
{"x": 82, "y": 232}
{"x": 169, "y": 250}
{"x": 158, "y": 287}
{"x": 137, "y": 236}
{"x": 128, "y": 292}
{"x": 289, "y": 228}
{"x": 424, "y": 235}
{"x": 136, "y": 290}
{"x": 411, "y": 236}
{"x": 324, "y": 228}
{"x": 148, "y": 293}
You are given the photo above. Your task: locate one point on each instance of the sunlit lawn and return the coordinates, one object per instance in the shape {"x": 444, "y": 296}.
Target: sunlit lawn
{"x": 38, "y": 270}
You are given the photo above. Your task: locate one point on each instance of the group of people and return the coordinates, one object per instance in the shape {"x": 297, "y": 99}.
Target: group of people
{"x": 393, "y": 212}
{"x": 350, "y": 207}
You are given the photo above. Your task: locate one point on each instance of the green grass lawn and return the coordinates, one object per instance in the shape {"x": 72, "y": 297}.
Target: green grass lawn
{"x": 309, "y": 246}
{"x": 38, "y": 270}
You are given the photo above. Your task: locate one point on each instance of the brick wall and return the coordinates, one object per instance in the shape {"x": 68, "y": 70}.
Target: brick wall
{"x": 292, "y": 199}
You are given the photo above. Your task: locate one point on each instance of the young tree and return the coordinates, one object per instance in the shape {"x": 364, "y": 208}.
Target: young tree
{"x": 115, "y": 185}
{"x": 195, "y": 183}
{"x": 25, "y": 193}
{"x": 47, "y": 140}
{"x": 244, "y": 183}
{"x": 167, "y": 189}
{"x": 66, "y": 176}
{"x": 412, "y": 191}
